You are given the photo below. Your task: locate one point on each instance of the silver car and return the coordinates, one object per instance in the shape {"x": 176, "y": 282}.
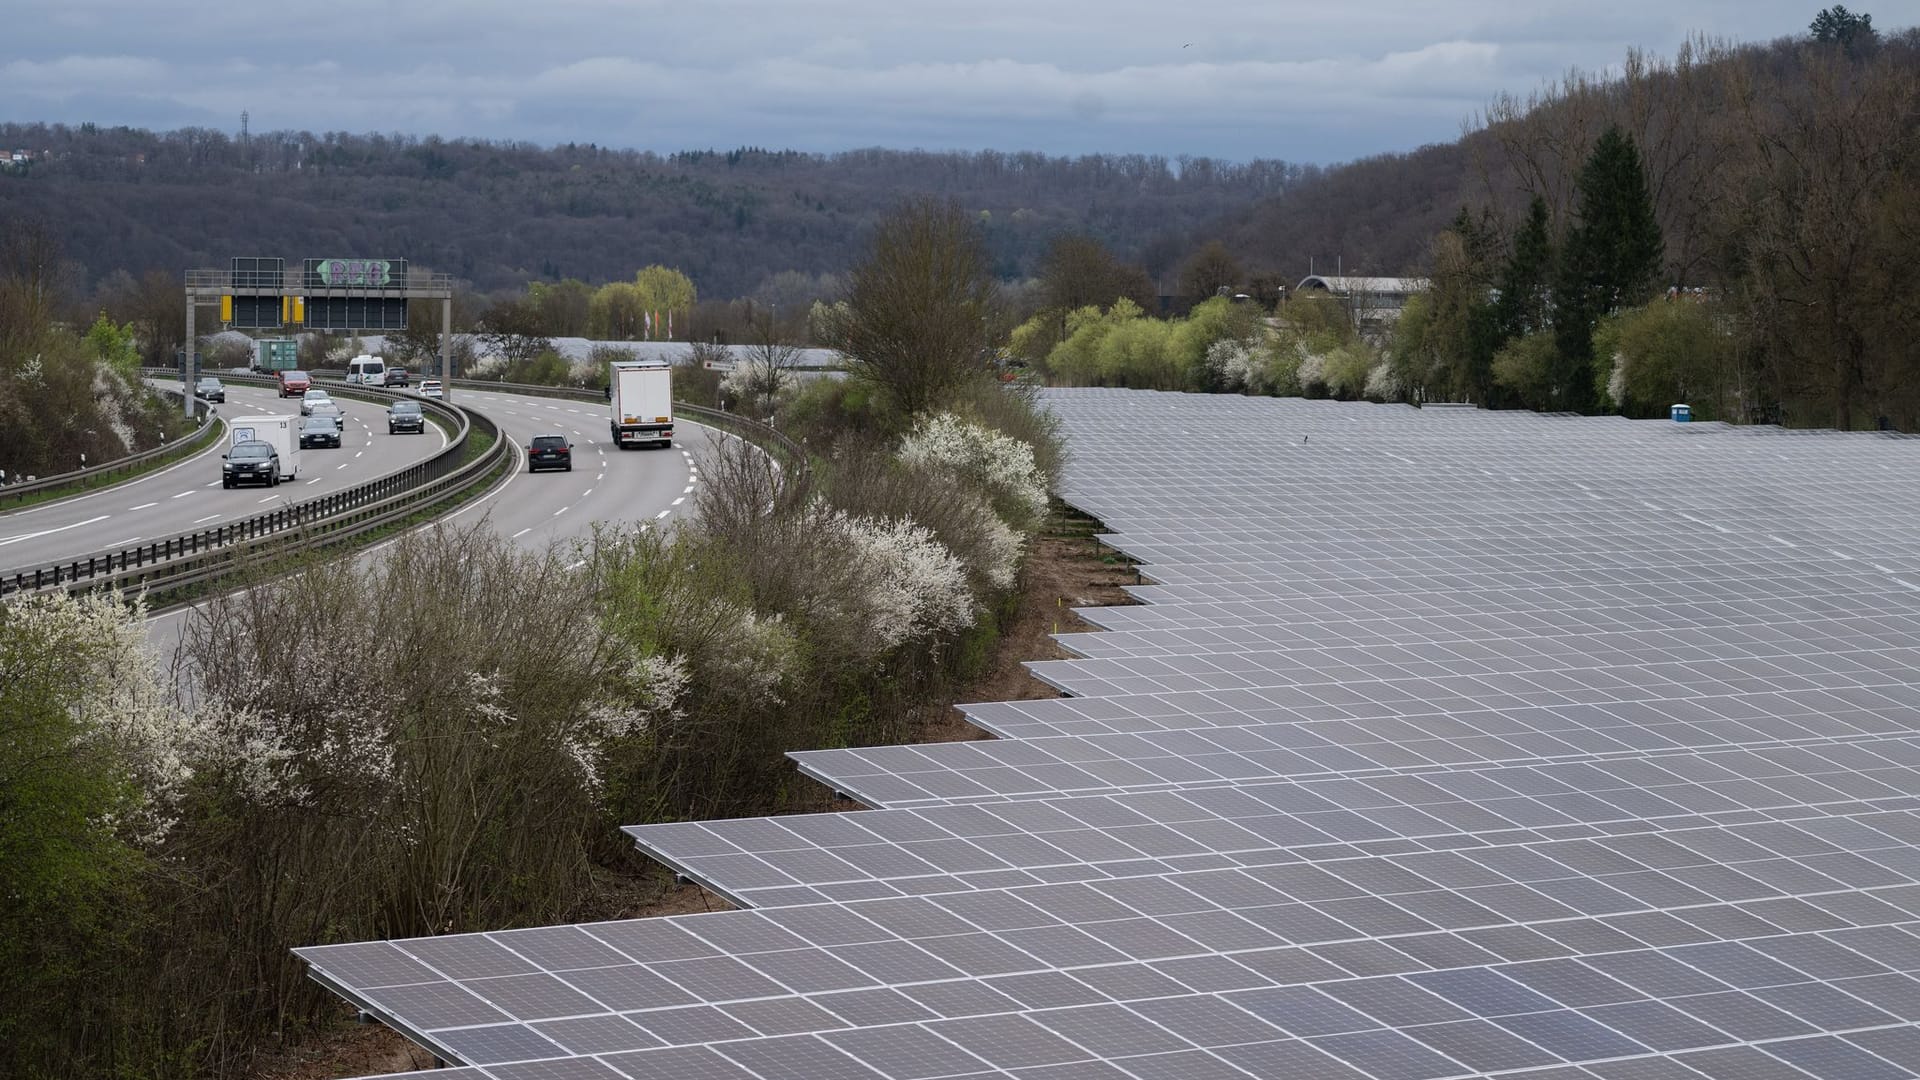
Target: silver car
{"x": 314, "y": 397}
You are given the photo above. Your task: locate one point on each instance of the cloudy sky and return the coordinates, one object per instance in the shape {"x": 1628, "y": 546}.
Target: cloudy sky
{"x": 1304, "y": 81}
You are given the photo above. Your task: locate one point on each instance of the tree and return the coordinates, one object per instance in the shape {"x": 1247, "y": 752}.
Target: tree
{"x": 1526, "y": 295}
{"x": 765, "y": 371}
{"x": 512, "y": 331}
{"x": 662, "y": 289}
{"x": 30, "y": 282}
{"x": 1211, "y": 269}
{"x": 1838, "y": 26}
{"x": 563, "y": 306}
{"x": 914, "y": 324}
{"x": 1610, "y": 260}
{"x": 1078, "y": 270}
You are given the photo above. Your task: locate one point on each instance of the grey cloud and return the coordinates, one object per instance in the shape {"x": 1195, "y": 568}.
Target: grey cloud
{"x": 1315, "y": 82}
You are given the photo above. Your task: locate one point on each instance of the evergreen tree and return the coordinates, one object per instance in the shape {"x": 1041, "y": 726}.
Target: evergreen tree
{"x": 1611, "y": 260}
{"x": 1526, "y": 281}
{"x": 1838, "y": 26}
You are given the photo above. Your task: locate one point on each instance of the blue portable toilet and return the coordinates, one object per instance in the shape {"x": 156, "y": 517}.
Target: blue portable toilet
{"x": 1682, "y": 414}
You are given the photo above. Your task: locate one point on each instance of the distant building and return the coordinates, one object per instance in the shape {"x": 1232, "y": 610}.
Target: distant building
{"x": 1369, "y": 299}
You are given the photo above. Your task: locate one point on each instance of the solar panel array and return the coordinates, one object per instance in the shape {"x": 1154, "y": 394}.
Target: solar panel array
{"x": 1442, "y": 744}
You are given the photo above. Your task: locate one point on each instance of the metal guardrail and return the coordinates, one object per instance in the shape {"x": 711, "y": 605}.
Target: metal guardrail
{"x": 181, "y": 447}
{"x": 766, "y": 436}
{"x": 201, "y": 557}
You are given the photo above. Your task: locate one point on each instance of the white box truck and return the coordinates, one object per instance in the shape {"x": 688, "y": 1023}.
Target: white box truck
{"x": 280, "y": 432}
{"x": 641, "y": 393}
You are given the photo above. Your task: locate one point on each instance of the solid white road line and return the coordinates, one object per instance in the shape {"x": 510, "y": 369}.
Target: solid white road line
{"x": 50, "y": 532}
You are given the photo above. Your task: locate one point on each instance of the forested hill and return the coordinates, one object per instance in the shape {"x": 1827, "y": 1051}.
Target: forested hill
{"x": 499, "y": 214}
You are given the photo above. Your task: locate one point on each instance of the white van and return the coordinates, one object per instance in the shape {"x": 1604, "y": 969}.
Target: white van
{"x": 367, "y": 371}
{"x": 282, "y": 432}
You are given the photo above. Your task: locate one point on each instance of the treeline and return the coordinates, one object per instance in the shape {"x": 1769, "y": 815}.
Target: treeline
{"x": 502, "y": 214}
{"x": 1733, "y": 228}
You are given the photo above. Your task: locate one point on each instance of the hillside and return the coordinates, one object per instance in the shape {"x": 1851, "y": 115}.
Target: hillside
{"x": 499, "y": 214}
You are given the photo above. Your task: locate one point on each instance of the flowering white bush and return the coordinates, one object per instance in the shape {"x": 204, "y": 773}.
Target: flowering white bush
{"x": 1382, "y": 384}
{"x": 1001, "y": 464}
{"x": 1617, "y": 380}
{"x": 1232, "y": 363}
{"x": 916, "y": 586}
{"x": 1312, "y": 371}
{"x": 111, "y": 683}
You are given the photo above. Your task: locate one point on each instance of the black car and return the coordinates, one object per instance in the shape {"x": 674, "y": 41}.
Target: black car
{"x": 549, "y": 452}
{"x": 210, "y": 389}
{"x": 250, "y": 462}
{"x": 405, "y": 416}
{"x": 396, "y": 376}
{"x": 319, "y": 431}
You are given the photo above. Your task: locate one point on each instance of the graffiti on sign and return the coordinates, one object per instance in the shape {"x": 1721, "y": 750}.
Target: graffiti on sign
{"x": 346, "y": 272}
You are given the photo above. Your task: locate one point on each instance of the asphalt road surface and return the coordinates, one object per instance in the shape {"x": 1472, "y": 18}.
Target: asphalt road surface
{"x": 186, "y": 496}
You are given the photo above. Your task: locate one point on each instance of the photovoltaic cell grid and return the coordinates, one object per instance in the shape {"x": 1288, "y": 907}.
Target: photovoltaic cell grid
{"x": 1443, "y": 744}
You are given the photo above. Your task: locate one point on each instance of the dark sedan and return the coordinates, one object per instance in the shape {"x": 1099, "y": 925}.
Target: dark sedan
{"x": 319, "y": 431}
{"x": 406, "y": 416}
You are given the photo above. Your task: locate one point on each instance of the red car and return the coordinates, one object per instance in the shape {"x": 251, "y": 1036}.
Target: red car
{"x": 295, "y": 383}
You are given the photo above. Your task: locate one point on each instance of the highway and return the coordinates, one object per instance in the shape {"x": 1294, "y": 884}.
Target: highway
{"x": 607, "y": 484}
{"x": 187, "y": 496}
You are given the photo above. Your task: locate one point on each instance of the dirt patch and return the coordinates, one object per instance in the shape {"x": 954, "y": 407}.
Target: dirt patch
{"x": 1066, "y": 569}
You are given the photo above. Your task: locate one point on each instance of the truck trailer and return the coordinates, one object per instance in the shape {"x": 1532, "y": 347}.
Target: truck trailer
{"x": 275, "y": 354}
{"x": 641, "y": 395}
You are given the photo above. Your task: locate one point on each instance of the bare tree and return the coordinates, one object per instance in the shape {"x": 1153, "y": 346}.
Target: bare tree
{"x": 766, "y": 370}
{"x": 1820, "y": 271}
{"x": 914, "y": 324}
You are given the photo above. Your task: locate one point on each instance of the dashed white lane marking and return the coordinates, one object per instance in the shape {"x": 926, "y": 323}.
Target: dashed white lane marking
{"x": 204, "y": 520}
{"x": 359, "y": 453}
{"x": 315, "y": 480}
{"x": 269, "y": 498}
{"x": 124, "y": 543}
{"x": 211, "y": 483}
{"x": 182, "y": 495}
{"x": 521, "y": 533}
{"x": 50, "y": 532}
{"x": 688, "y": 490}
{"x": 577, "y": 564}
{"x": 662, "y": 514}
{"x": 599, "y": 476}
{"x": 678, "y": 501}
{"x": 586, "y": 493}
{"x": 142, "y": 506}
{"x": 342, "y": 465}
{"x": 563, "y": 510}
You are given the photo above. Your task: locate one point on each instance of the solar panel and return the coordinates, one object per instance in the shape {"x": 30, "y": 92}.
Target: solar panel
{"x": 1440, "y": 744}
